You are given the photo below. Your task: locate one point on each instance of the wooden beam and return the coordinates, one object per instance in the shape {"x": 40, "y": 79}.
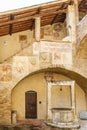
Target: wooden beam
{"x": 51, "y": 18}
{"x": 31, "y": 17}
{"x": 38, "y": 11}
{"x": 32, "y": 26}
{"x": 10, "y": 26}
{"x": 22, "y": 26}
{"x": 54, "y": 19}
{"x": 63, "y": 6}
{"x": 33, "y": 22}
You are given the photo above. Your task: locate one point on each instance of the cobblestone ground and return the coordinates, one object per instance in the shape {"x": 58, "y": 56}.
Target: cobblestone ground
{"x": 83, "y": 124}
{"x": 39, "y": 125}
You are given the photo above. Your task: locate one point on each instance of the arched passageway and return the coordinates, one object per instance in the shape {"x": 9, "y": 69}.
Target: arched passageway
{"x": 36, "y": 83}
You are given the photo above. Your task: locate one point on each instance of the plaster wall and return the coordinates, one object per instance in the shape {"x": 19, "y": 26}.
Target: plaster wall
{"x": 81, "y": 29}
{"x": 36, "y": 83}
{"x": 80, "y": 60}
{"x": 11, "y": 45}
{"x": 63, "y": 98}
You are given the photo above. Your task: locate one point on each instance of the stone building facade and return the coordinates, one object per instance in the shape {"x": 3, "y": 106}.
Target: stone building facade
{"x": 56, "y": 52}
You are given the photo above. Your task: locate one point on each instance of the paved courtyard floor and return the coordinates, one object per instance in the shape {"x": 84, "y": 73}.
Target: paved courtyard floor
{"x": 39, "y": 125}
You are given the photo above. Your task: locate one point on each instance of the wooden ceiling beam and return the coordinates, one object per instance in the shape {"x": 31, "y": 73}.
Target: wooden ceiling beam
{"x": 57, "y": 16}
{"x": 10, "y": 26}
{"x": 33, "y": 21}
{"x": 83, "y": 6}
{"x": 21, "y": 26}
{"x": 4, "y": 20}
{"x": 3, "y": 34}
{"x": 21, "y": 29}
{"x": 32, "y": 26}
{"x": 4, "y": 31}
{"x": 3, "y": 27}
{"x": 63, "y": 6}
{"x": 24, "y": 12}
{"x": 47, "y": 17}
{"x": 31, "y": 17}
{"x": 58, "y": 3}
{"x": 29, "y": 14}
{"x": 47, "y": 20}
{"x": 23, "y": 22}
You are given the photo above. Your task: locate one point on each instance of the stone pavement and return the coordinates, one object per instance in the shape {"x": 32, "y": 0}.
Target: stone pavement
{"x": 83, "y": 124}
{"x": 39, "y": 125}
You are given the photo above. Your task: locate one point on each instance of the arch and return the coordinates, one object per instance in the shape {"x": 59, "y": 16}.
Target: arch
{"x": 30, "y": 91}
{"x": 82, "y": 40}
{"x": 79, "y": 79}
{"x": 35, "y": 82}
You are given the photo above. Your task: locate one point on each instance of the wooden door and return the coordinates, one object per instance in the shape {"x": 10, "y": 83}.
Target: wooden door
{"x": 31, "y": 104}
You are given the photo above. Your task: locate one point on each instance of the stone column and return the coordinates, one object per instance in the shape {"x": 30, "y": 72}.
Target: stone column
{"x": 49, "y": 116}
{"x": 37, "y": 29}
{"x": 76, "y": 11}
{"x": 73, "y": 100}
{"x": 71, "y": 23}
{"x": 73, "y": 96}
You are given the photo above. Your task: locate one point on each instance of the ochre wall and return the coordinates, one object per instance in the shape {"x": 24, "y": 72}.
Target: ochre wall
{"x": 80, "y": 60}
{"x": 11, "y": 45}
{"x": 37, "y": 83}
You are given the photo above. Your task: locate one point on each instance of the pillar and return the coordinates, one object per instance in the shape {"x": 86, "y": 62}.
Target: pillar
{"x": 37, "y": 29}
{"x": 76, "y": 11}
{"x": 49, "y": 116}
{"x": 73, "y": 100}
{"x": 71, "y": 23}
{"x": 73, "y": 96}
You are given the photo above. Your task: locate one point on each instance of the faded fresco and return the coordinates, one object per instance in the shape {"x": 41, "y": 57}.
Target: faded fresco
{"x": 57, "y": 58}
{"x": 20, "y": 65}
{"x": 5, "y": 72}
{"x": 54, "y": 53}
{"x": 44, "y": 59}
{"x": 36, "y": 48}
{"x": 45, "y": 54}
{"x": 33, "y": 63}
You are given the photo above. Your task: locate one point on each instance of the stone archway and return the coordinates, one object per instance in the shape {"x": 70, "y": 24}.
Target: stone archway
{"x": 7, "y": 89}
{"x": 31, "y": 83}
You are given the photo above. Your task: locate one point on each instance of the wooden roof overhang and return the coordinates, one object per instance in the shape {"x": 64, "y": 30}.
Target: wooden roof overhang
{"x": 23, "y": 19}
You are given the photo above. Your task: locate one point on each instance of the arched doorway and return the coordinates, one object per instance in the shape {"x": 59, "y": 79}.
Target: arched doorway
{"x": 31, "y": 104}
